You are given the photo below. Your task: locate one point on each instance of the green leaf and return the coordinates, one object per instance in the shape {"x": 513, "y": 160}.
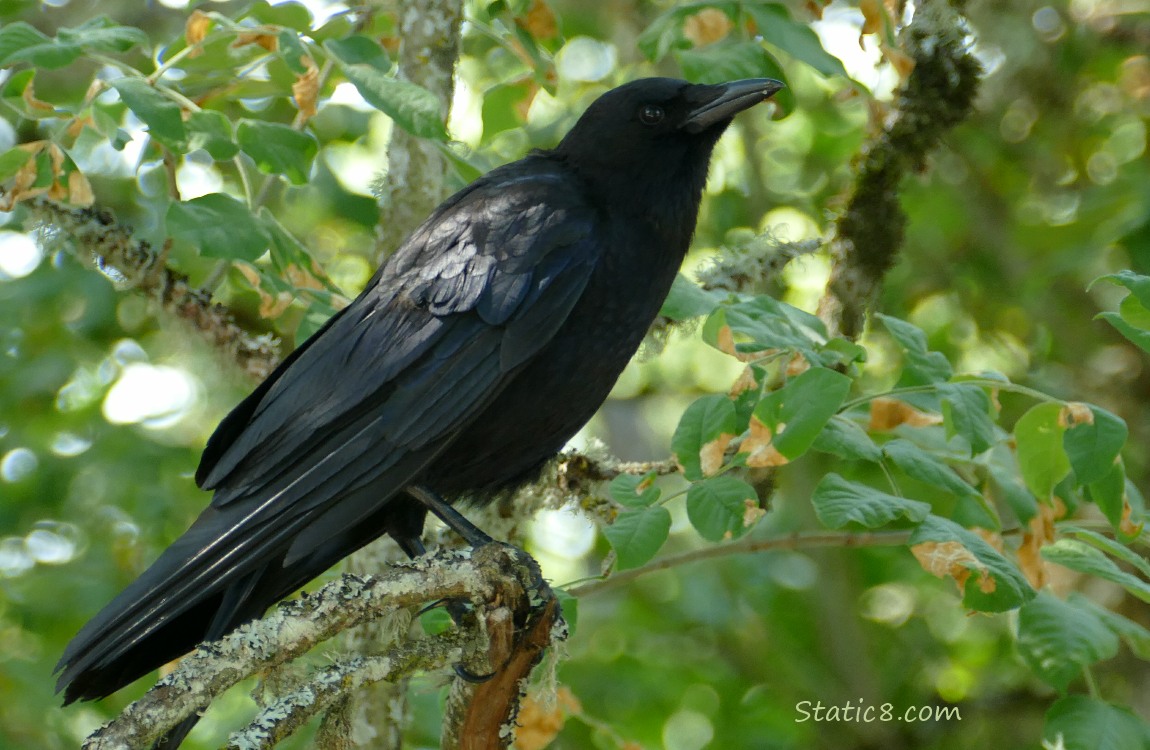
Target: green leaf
{"x": 926, "y": 467}
{"x": 798, "y": 40}
{"x": 1137, "y": 638}
{"x": 11, "y": 161}
{"x": 162, "y": 115}
{"x": 966, "y": 411}
{"x": 769, "y": 325}
{"x": 292, "y": 51}
{"x": 102, "y": 34}
{"x": 1134, "y": 312}
{"x": 1079, "y": 722}
{"x": 995, "y": 584}
{"x": 718, "y": 507}
{"x": 219, "y": 225}
{"x": 798, "y": 411}
{"x": 1057, "y": 639}
{"x": 703, "y": 426}
{"x": 1109, "y": 494}
{"x": 278, "y": 149}
{"x": 1041, "y": 457}
{"x": 689, "y": 300}
{"x": 838, "y": 502}
{"x": 1014, "y": 491}
{"x": 1076, "y": 555}
{"x": 1137, "y": 336}
{"x": 211, "y": 131}
{"x": 633, "y": 491}
{"x": 20, "y": 42}
{"x": 359, "y": 50}
{"x": 1139, "y": 285}
{"x": 1111, "y": 547}
{"x": 921, "y": 366}
{"x": 1093, "y": 447}
{"x": 637, "y": 535}
{"x": 412, "y": 107}
{"x": 844, "y": 438}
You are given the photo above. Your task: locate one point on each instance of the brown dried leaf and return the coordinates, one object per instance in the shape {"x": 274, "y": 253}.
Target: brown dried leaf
{"x": 196, "y": 29}
{"x": 816, "y": 8}
{"x": 305, "y": 90}
{"x": 539, "y": 21}
{"x": 707, "y": 26}
{"x": 752, "y": 513}
{"x": 538, "y": 725}
{"x": 79, "y": 189}
{"x": 902, "y": 63}
{"x": 1039, "y": 533}
{"x": 757, "y": 445}
{"x": 888, "y": 413}
{"x": 873, "y": 14}
{"x": 29, "y": 96}
{"x": 745, "y": 382}
{"x": 711, "y": 454}
{"x": 1075, "y": 413}
{"x": 264, "y": 39}
{"x": 1127, "y": 525}
{"x": 952, "y": 559}
{"x": 797, "y": 365}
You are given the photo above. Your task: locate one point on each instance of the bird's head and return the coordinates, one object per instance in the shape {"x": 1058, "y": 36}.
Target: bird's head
{"x": 656, "y": 134}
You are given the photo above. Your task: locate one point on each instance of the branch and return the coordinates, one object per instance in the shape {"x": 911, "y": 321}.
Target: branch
{"x": 490, "y": 577}
{"x": 747, "y": 545}
{"x": 96, "y": 237}
{"x": 331, "y": 684}
{"x": 937, "y": 96}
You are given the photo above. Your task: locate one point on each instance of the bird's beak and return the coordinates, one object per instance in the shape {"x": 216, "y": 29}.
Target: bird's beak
{"x": 728, "y": 100}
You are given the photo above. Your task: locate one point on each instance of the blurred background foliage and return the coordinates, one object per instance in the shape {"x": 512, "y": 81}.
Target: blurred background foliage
{"x": 104, "y": 406}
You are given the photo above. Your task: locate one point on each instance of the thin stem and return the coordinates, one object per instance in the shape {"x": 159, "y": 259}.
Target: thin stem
{"x": 980, "y": 382}
{"x": 796, "y": 540}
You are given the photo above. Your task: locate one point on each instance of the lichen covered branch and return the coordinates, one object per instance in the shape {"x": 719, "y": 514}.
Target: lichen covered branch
{"x": 483, "y": 577}
{"x": 96, "y": 237}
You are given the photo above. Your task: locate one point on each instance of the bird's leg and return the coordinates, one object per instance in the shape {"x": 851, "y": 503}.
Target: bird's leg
{"x": 455, "y": 521}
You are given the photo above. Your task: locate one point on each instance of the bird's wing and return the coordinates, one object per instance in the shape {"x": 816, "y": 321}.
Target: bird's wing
{"x": 372, "y": 398}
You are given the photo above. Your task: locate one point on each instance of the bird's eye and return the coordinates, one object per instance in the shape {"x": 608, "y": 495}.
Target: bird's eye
{"x": 651, "y": 114}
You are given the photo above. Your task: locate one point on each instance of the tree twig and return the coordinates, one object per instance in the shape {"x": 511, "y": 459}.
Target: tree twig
{"x": 747, "y": 545}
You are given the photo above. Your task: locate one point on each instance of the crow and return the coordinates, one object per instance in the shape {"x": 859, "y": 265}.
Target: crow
{"x": 474, "y": 353}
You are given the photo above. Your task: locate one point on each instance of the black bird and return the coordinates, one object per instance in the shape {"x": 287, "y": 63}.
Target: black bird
{"x": 475, "y": 352}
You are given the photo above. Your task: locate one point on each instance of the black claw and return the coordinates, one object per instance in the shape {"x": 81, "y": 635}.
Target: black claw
{"x": 475, "y": 679}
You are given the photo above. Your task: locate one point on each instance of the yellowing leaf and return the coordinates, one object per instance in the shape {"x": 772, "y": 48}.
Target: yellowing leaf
{"x": 539, "y": 21}
{"x": 902, "y": 63}
{"x": 757, "y": 445}
{"x": 196, "y": 29}
{"x": 305, "y": 90}
{"x": 752, "y": 513}
{"x": 707, "y": 26}
{"x": 1075, "y": 413}
{"x": 952, "y": 559}
{"x": 268, "y": 41}
{"x": 1039, "y": 532}
{"x": 79, "y": 189}
{"x": 745, "y": 382}
{"x": 872, "y": 17}
{"x": 711, "y": 454}
{"x": 539, "y": 722}
{"x": 888, "y": 413}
